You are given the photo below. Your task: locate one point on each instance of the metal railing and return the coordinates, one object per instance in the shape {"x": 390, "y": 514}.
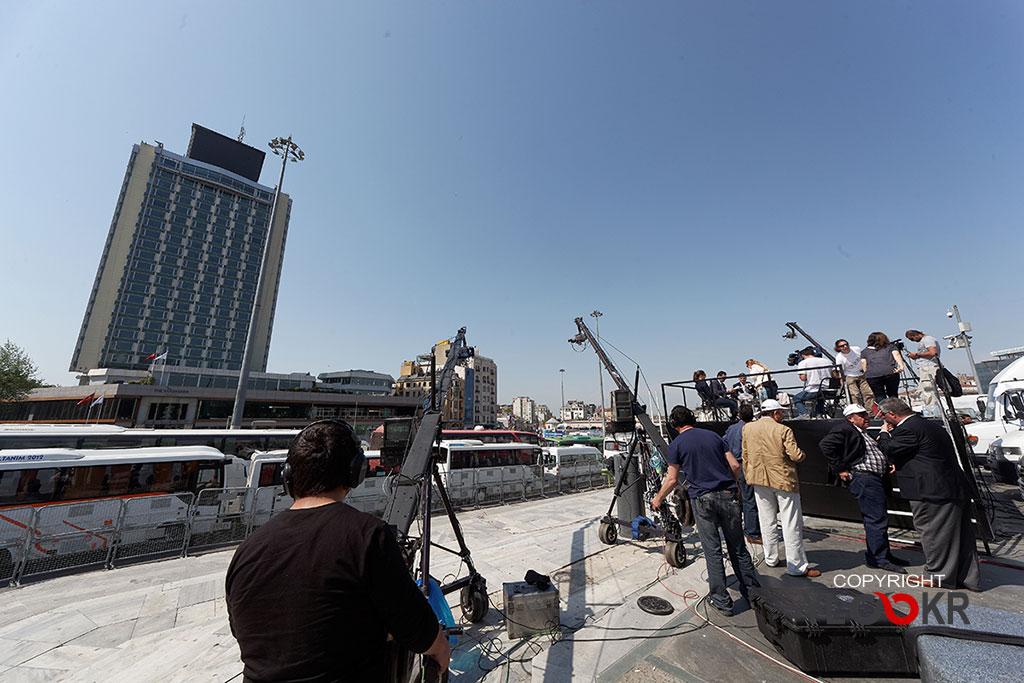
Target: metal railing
{"x": 48, "y": 540}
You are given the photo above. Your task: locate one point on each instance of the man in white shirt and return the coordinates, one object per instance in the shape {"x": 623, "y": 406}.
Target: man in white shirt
{"x": 815, "y": 373}
{"x": 927, "y": 360}
{"x": 848, "y": 358}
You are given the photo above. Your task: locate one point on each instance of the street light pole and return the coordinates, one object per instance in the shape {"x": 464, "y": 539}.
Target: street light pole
{"x": 561, "y": 411}
{"x": 288, "y": 151}
{"x": 964, "y": 328}
{"x": 596, "y": 315}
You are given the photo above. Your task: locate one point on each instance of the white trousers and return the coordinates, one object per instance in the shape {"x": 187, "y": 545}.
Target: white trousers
{"x": 772, "y": 504}
{"x": 926, "y": 392}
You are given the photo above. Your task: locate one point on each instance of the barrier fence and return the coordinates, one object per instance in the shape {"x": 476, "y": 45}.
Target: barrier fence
{"x": 38, "y": 541}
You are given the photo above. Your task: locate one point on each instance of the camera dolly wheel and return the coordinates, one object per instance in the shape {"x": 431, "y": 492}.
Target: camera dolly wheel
{"x": 608, "y": 533}
{"x": 473, "y": 600}
{"x": 675, "y": 553}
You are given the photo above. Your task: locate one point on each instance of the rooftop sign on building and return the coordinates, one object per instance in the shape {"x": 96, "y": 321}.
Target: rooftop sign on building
{"x": 213, "y": 148}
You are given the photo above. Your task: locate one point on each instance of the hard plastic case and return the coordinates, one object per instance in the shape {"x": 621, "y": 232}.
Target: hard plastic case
{"x": 832, "y": 630}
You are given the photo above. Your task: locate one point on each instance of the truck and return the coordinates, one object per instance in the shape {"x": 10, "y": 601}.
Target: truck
{"x": 1003, "y": 411}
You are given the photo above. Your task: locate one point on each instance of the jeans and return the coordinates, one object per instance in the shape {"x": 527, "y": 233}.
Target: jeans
{"x": 711, "y": 512}
{"x": 801, "y": 399}
{"x": 886, "y": 386}
{"x": 722, "y": 402}
{"x": 751, "y": 525}
{"x": 870, "y": 494}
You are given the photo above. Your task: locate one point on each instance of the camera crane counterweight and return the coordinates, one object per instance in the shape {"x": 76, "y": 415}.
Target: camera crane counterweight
{"x": 671, "y": 524}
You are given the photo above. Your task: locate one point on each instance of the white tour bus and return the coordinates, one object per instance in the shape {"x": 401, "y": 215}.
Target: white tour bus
{"x": 71, "y": 490}
{"x": 240, "y": 442}
{"x": 474, "y": 471}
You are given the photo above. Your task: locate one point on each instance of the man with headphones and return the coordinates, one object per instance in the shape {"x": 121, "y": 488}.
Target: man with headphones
{"x": 314, "y": 594}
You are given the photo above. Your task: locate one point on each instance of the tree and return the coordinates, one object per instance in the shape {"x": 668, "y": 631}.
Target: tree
{"x": 17, "y": 373}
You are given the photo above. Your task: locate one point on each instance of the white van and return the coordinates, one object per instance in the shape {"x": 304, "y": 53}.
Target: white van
{"x": 572, "y": 461}
{"x": 1004, "y": 408}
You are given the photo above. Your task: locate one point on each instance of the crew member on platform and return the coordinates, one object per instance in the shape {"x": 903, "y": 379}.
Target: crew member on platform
{"x": 313, "y": 594}
{"x": 854, "y": 457}
{"x": 712, "y": 473}
{"x": 927, "y": 360}
{"x": 938, "y": 490}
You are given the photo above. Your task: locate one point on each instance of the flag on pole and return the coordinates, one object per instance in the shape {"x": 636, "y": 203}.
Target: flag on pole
{"x": 98, "y": 400}
{"x": 149, "y": 357}
{"x": 88, "y": 399}
{"x": 162, "y": 356}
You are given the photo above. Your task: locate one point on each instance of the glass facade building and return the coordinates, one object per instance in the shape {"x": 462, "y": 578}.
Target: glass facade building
{"x": 179, "y": 270}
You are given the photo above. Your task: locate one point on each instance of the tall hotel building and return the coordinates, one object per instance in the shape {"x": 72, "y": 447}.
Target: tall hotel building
{"x": 179, "y": 269}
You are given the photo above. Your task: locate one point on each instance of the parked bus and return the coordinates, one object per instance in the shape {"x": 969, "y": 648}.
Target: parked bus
{"x": 474, "y": 471}
{"x": 240, "y": 442}
{"x": 64, "y": 493}
{"x": 484, "y": 435}
{"x": 59, "y": 475}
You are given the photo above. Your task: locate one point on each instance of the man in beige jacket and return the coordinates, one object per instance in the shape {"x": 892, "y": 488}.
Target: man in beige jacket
{"x": 770, "y": 455}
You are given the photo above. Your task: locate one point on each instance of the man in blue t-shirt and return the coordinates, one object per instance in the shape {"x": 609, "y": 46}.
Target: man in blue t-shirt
{"x": 734, "y": 442}
{"x": 711, "y": 475}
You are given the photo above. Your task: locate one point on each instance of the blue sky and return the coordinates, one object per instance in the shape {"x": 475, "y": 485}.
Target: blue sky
{"x": 701, "y": 172}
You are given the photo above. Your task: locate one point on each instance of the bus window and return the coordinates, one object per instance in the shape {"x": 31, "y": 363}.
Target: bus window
{"x": 458, "y": 460}
{"x": 242, "y": 448}
{"x": 528, "y": 438}
{"x": 277, "y": 442}
{"x": 270, "y": 474}
{"x": 208, "y": 477}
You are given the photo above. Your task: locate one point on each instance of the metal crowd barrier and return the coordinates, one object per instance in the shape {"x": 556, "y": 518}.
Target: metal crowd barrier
{"x": 109, "y": 532}
{"x": 153, "y": 526}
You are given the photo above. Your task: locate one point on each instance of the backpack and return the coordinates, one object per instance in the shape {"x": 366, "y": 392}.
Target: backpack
{"x": 948, "y": 382}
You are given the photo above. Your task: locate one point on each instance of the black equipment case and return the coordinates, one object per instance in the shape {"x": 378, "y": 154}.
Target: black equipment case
{"x": 832, "y": 630}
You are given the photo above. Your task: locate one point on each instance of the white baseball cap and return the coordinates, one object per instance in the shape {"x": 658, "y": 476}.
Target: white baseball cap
{"x": 770, "y": 405}
{"x": 853, "y": 409}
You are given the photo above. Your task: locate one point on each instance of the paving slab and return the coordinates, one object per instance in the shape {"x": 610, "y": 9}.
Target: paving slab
{"x": 167, "y": 621}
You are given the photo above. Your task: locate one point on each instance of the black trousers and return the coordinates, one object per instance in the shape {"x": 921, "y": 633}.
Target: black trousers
{"x": 886, "y": 386}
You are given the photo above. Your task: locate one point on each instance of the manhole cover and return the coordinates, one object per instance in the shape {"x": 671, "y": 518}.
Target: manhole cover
{"x": 653, "y": 605}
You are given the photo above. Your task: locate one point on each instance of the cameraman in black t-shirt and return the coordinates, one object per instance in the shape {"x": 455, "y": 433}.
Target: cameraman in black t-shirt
{"x": 313, "y": 594}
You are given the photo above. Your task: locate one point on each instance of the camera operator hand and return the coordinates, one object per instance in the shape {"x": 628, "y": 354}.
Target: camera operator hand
{"x": 440, "y": 651}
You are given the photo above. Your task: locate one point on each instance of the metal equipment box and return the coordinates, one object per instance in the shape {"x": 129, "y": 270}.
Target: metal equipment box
{"x": 529, "y": 610}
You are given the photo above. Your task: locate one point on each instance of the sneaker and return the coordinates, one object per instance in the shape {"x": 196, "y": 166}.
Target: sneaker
{"x": 724, "y": 611}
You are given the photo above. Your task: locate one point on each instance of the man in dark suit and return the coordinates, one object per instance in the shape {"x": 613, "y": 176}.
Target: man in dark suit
{"x": 939, "y": 492}
{"x": 858, "y": 462}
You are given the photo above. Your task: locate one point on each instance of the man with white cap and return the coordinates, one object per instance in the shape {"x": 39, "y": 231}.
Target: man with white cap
{"x": 770, "y": 455}
{"x": 859, "y": 463}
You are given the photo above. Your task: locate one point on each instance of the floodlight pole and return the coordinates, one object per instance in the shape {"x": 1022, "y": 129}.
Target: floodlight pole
{"x": 561, "y": 411}
{"x": 965, "y": 339}
{"x": 596, "y": 315}
{"x": 288, "y": 151}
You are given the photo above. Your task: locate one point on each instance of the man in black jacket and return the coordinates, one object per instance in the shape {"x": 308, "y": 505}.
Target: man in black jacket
{"x": 858, "y": 462}
{"x": 939, "y": 492}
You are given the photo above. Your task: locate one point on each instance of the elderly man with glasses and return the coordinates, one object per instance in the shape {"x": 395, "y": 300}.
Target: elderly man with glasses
{"x": 848, "y": 358}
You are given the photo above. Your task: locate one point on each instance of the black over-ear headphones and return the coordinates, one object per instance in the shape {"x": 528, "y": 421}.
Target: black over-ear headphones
{"x": 354, "y": 471}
